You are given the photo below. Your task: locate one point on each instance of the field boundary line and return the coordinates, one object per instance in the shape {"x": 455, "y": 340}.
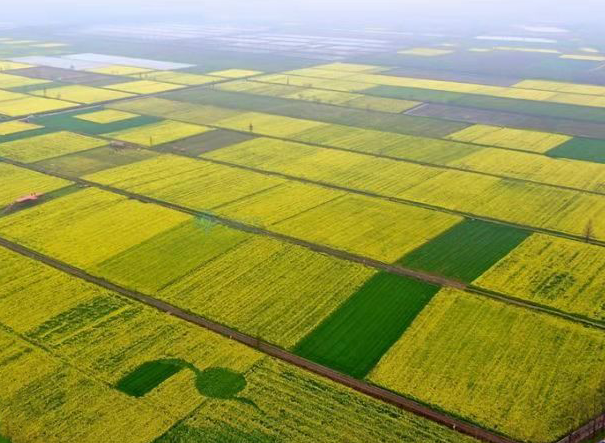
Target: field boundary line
{"x": 364, "y": 387}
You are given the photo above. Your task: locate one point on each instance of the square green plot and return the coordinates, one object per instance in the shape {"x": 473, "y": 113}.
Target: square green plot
{"x": 466, "y": 250}
{"x": 579, "y": 148}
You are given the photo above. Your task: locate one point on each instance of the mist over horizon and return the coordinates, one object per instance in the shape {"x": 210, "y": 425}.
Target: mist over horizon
{"x": 471, "y": 13}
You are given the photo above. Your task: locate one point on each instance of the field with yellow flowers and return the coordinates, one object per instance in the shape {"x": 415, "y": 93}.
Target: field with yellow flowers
{"x": 278, "y": 248}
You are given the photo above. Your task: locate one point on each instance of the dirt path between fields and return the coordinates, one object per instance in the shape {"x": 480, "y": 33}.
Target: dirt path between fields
{"x": 271, "y": 350}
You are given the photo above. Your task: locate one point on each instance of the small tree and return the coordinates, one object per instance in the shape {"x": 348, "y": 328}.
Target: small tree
{"x": 589, "y": 231}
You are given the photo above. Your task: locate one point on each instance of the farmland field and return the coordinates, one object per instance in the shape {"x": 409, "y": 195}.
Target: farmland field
{"x": 489, "y": 362}
{"x": 274, "y": 231}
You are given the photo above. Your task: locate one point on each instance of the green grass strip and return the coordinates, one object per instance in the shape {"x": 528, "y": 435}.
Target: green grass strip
{"x": 579, "y": 148}
{"x": 466, "y": 250}
{"x": 355, "y": 336}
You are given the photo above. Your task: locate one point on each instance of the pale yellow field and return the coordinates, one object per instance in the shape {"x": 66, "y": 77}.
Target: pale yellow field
{"x": 523, "y": 373}
{"x": 278, "y": 203}
{"x": 157, "y": 133}
{"x": 520, "y": 49}
{"x": 48, "y": 145}
{"x": 318, "y": 82}
{"x": 351, "y": 67}
{"x": 425, "y": 52}
{"x": 188, "y": 182}
{"x": 552, "y": 271}
{"x": 28, "y": 105}
{"x": 14, "y": 81}
{"x": 119, "y": 70}
{"x": 267, "y": 124}
{"x": 6, "y": 65}
{"x": 49, "y": 45}
{"x": 539, "y": 168}
{"x": 234, "y": 73}
{"x": 88, "y": 226}
{"x": 573, "y": 88}
{"x": 594, "y": 58}
{"x": 15, "y": 126}
{"x": 19, "y": 182}
{"x": 521, "y": 139}
{"x": 106, "y": 116}
{"x": 144, "y": 87}
{"x": 179, "y": 78}
{"x": 81, "y": 94}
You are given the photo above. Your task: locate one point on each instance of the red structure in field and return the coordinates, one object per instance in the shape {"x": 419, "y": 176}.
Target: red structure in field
{"x": 31, "y": 198}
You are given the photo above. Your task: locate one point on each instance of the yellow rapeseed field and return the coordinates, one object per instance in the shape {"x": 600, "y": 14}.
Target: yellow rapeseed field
{"x": 158, "y": 133}
{"x": 316, "y": 82}
{"x": 250, "y": 288}
{"x": 522, "y": 139}
{"x": 234, "y": 73}
{"x": 573, "y": 88}
{"x": 88, "y": 226}
{"x": 278, "y": 203}
{"x": 81, "y": 94}
{"x": 492, "y": 363}
{"x": 143, "y": 87}
{"x": 369, "y": 227}
{"x": 106, "y": 116}
{"x": 14, "y": 81}
{"x": 179, "y": 78}
{"x": 557, "y": 272}
{"x": 48, "y": 145}
{"x": 267, "y": 124}
{"x": 592, "y": 58}
{"x": 292, "y": 406}
{"x": 19, "y": 182}
{"x": 6, "y": 65}
{"x": 188, "y": 182}
{"x": 119, "y": 70}
{"x": 15, "y": 126}
{"x": 28, "y": 105}
{"x": 425, "y": 52}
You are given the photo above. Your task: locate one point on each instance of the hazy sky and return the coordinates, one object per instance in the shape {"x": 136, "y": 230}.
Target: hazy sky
{"x": 525, "y": 11}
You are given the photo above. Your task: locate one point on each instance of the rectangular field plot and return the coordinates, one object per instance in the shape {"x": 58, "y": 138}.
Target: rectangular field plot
{"x": 77, "y": 121}
{"x": 16, "y": 126}
{"x": 356, "y": 335}
{"x": 369, "y": 227}
{"x": 348, "y": 169}
{"x": 585, "y": 149}
{"x": 536, "y": 168}
{"x": 8, "y": 81}
{"x": 164, "y": 258}
{"x": 118, "y": 70}
{"x": 48, "y": 145}
{"x": 18, "y": 182}
{"x": 560, "y": 273}
{"x": 106, "y": 116}
{"x": 127, "y": 61}
{"x": 28, "y": 105}
{"x": 179, "y": 78}
{"x": 267, "y": 124}
{"x": 88, "y": 226}
{"x": 492, "y": 363}
{"x": 292, "y": 406}
{"x": 208, "y": 141}
{"x": 266, "y": 288}
{"x": 143, "y": 87}
{"x": 521, "y": 139}
{"x": 234, "y": 73}
{"x": 81, "y": 94}
{"x": 278, "y": 203}
{"x": 94, "y": 160}
{"x": 573, "y": 88}
{"x": 187, "y": 182}
{"x": 425, "y": 52}
{"x": 466, "y": 250}
{"x": 158, "y": 133}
